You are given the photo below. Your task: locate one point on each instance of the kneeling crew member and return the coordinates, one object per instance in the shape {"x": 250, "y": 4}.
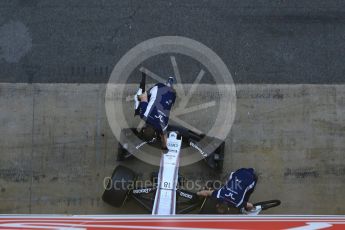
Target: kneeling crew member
{"x": 237, "y": 190}
{"x": 155, "y": 106}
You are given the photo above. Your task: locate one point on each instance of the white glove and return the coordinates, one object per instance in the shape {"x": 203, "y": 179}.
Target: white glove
{"x": 255, "y": 211}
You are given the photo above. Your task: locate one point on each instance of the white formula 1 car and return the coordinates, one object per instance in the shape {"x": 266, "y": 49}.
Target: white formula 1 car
{"x": 165, "y": 196}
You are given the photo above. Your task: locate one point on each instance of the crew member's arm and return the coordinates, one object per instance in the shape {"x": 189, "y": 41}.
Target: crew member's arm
{"x": 143, "y": 104}
{"x": 149, "y": 106}
{"x": 164, "y": 139}
{"x": 164, "y": 135}
{"x": 205, "y": 193}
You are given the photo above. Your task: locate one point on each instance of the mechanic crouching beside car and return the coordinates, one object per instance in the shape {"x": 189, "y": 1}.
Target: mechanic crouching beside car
{"x": 236, "y": 191}
{"x": 154, "y": 109}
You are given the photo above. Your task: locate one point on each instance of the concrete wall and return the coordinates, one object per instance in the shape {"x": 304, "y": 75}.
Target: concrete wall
{"x": 56, "y": 147}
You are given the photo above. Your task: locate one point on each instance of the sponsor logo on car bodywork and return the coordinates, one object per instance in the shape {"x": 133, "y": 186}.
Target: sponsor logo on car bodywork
{"x": 198, "y": 148}
{"x": 142, "y": 190}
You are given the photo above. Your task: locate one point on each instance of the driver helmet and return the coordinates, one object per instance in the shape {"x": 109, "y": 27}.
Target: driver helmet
{"x": 148, "y": 133}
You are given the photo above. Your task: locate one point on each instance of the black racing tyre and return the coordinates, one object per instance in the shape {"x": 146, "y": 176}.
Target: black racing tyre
{"x": 118, "y": 186}
{"x": 268, "y": 204}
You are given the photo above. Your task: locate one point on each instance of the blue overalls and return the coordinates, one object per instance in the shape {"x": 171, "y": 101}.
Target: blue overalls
{"x": 156, "y": 111}
{"x": 238, "y": 188}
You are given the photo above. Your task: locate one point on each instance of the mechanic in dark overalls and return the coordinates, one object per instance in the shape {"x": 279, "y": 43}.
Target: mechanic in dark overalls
{"x": 236, "y": 191}
{"x": 154, "y": 109}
